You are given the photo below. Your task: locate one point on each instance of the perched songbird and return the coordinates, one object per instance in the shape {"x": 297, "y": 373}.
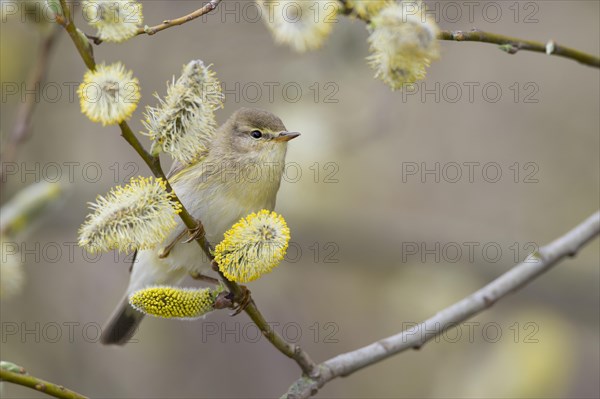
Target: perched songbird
{"x": 240, "y": 174}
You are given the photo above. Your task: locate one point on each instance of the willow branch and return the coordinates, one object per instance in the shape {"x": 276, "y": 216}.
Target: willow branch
{"x": 292, "y": 351}
{"x": 508, "y": 44}
{"x": 512, "y": 45}
{"x": 83, "y": 46}
{"x": 414, "y": 338}
{"x": 151, "y": 30}
{"x": 169, "y": 23}
{"x": 153, "y": 163}
{"x": 49, "y": 388}
{"x": 295, "y": 352}
{"x": 22, "y": 126}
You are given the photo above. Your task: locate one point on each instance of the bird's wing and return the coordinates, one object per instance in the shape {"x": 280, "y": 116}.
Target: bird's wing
{"x": 175, "y": 169}
{"x": 133, "y": 261}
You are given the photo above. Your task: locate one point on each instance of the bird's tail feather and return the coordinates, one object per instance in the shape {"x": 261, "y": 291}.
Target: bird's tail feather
{"x": 121, "y": 325}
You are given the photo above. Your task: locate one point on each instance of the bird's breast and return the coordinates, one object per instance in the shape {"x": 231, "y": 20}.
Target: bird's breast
{"x": 220, "y": 199}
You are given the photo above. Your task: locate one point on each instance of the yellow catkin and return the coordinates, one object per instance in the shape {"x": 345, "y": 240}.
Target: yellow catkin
{"x": 137, "y": 216}
{"x": 109, "y": 94}
{"x": 253, "y": 246}
{"x": 302, "y": 25}
{"x": 115, "y": 20}
{"x": 174, "y": 303}
{"x": 184, "y": 124}
{"x": 403, "y": 43}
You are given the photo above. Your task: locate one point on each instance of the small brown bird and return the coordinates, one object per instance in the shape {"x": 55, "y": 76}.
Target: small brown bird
{"x": 240, "y": 174}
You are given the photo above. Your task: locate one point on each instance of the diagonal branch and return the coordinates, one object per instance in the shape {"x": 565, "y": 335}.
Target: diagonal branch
{"x": 512, "y": 44}
{"x": 150, "y": 30}
{"x": 65, "y": 19}
{"x": 49, "y": 388}
{"x": 414, "y": 338}
{"x": 169, "y": 23}
{"x": 292, "y": 351}
{"x": 509, "y": 44}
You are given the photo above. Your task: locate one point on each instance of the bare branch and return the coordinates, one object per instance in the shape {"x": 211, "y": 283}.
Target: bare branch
{"x": 509, "y": 44}
{"x": 49, "y": 388}
{"x": 520, "y": 275}
{"x": 150, "y": 30}
{"x": 512, "y": 45}
{"x": 169, "y": 23}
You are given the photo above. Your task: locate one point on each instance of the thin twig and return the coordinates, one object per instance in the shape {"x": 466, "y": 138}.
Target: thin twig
{"x": 49, "y": 388}
{"x": 169, "y": 23}
{"x": 294, "y": 352}
{"x": 22, "y": 126}
{"x": 512, "y": 45}
{"x": 522, "y": 274}
{"x": 151, "y": 30}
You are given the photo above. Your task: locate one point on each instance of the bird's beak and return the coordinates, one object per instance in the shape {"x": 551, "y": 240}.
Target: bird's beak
{"x": 286, "y": 136}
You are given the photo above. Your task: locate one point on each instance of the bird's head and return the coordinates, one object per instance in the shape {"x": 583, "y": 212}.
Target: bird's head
{"x": 254, "y": 135}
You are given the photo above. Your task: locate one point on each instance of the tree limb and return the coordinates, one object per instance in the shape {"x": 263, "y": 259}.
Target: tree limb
{"x": 151, "y": 30}
{"x": 49, "y": 388}
{"x": 517, "y": 277}
{"x": 512, "y": 45}
{"x": 509, "y": 44}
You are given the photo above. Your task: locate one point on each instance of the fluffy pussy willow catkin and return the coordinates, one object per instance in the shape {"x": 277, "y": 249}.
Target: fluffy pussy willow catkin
{"x": 302, "y": 25}
{"x": 367, "y": 8}
{"x": 115, "y": 20}
{"x": 137, "y": 216}
{"x": 173, "y": 302}
{"x": 253, "y": 246}
{"x": 109, "y": 94}
{"x": 403, "y": 43}
{"x": 183, "y": 124}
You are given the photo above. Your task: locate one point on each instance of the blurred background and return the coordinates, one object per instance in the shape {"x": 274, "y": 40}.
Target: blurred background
{"x": 388, "y": 225}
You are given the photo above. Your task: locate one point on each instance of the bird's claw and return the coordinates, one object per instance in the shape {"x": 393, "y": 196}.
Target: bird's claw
{"x": 195, "y": 233}
{"x": 202, "y": 277}
{"x": 164, "y": 252}
{"x": 244, "y": 302}
{"x": 224, "y": 300}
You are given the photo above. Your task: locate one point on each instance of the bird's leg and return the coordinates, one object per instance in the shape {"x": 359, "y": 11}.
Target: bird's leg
{"x": 196, "y": 232}
{"x": 244, "y": 302}
{"x": 202, "y": 277}
{"x": 224, "y": 300}
{"x": 164, "y": 252}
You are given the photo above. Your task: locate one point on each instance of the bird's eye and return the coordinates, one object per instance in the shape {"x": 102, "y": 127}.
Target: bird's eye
{"x": 256, "y": 134}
